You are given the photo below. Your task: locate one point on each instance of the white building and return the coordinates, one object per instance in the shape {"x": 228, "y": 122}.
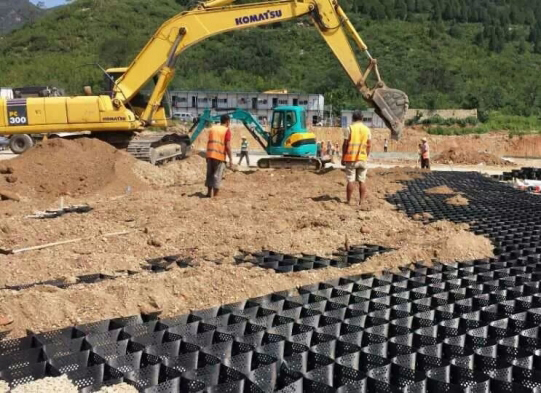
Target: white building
{"x": 370, "y": 118}
{"x": 259, "y": 104}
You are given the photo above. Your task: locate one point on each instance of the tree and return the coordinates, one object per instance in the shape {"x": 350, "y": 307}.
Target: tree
{"x": 401, "y": 9}
{"x": 455, "y": 31}
{"x": 537, "y": 47}
{"x": 377, "y": 12}
{"x": 436, "y": 13}
{"x": 411, "y": 5}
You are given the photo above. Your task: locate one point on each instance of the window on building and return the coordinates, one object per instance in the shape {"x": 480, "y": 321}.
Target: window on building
{"x": 204, "y": 99}
{"x": 282, "y": 102}
{"x": 242, "y": 100}
{"x": 222, "y": 100}
{"x": 181, "y": 99}
{"x": 262, "y": 101}
{"x": 303, "y": 102}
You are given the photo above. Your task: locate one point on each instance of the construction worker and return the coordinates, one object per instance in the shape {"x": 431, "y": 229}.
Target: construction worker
{"x": 425, "y": 154}
{"x": 355, "y": 152}
{"x": 218, "y": 147}
{"x": 244, "y": 151}
{"x": 385, "y": 146}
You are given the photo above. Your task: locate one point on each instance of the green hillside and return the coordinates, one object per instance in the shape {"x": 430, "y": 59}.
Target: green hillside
{"x": 15, "y": 13}
{"x": 444, "y": 53}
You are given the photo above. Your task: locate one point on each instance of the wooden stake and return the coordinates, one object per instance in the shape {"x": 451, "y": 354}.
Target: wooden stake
{"x": 7, "y": 251}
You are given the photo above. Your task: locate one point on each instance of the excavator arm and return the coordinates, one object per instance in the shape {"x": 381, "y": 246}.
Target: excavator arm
{"x": 247, "y": 119}
{"x": 214, "y": 17}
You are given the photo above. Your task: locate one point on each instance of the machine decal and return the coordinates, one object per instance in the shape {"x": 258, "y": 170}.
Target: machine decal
{"x": 258, "y": 17}
{"x": 118, "y": 118}
{"x": 17, "y": 115}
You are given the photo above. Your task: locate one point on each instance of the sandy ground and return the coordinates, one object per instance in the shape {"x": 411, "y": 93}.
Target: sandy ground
{"x": 499, "y": 143}
{"x": 281, "y": 210}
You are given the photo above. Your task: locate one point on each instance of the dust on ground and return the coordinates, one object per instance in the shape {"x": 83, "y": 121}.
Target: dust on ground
{"x": 291, "y": 211}
{"x": 464, "y": 157}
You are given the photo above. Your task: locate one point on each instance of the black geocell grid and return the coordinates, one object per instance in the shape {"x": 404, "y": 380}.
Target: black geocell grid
{"x": 446, "y": 328}
{"x": 286, "y": 263}
{"x": 522, "y": 173}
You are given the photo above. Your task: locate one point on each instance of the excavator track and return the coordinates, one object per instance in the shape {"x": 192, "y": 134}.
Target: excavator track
{"x": 155, "y": 148}
{"x": 313, "y": 163}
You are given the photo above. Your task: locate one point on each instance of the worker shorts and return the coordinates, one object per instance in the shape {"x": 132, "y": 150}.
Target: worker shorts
{"x": 356, "y": 171}
{"x": 215, "y": 173}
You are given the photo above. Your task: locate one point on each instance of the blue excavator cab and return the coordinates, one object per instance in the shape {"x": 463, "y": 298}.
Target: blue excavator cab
{"x": 288, "y": 143}
{"x": 288, "y": 133}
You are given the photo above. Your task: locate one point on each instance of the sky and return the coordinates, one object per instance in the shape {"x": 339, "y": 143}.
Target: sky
{"x": 49, "y": 3}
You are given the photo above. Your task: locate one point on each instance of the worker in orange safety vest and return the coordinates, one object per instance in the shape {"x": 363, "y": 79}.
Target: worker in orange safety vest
{"x": 218, "y": 147}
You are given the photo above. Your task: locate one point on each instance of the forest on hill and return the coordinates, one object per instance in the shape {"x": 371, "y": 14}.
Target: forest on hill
{"x": 483, "y": 54}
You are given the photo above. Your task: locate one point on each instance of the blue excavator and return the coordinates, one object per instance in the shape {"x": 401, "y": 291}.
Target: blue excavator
{"x": 289, "y": 144}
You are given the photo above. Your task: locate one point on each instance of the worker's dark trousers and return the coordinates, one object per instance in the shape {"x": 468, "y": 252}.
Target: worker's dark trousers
{"x": 242, "y": 155}
{"x": 425, "y": 163}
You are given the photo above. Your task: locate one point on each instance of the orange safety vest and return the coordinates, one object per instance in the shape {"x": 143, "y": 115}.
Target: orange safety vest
{"x": 358, "y": 139}
{"x": 216, "y": 143}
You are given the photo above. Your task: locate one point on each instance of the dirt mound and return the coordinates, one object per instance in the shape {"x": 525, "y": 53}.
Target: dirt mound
{"x": 453, "y": 156}
{"x": 188, "y": 171}
{"x": 457, "y": 200}
{"x": 440, "y": 190}
{"x": 70, "y": 167}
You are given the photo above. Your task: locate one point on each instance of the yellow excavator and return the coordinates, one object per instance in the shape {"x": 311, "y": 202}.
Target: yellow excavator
{"x": 119, "y": 115}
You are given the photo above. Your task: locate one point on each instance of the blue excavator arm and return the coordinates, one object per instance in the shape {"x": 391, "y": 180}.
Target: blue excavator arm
{"x": 246, "y": 118}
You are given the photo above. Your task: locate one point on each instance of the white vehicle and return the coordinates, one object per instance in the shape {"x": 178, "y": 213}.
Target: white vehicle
{"x": 6, "y": 93}
{"x": 187, "y": 117}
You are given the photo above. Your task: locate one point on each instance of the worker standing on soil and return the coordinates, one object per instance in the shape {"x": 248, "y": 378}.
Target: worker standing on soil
{"x": 425, "y": 154}
{"x": 355, "y": 153}
{"x": 244, "y": 151}
{"x": 218, "y": 146}
{"x": 385, "y": 145}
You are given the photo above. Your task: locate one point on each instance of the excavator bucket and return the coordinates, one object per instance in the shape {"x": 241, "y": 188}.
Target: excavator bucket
{"x": 391, "y": 105}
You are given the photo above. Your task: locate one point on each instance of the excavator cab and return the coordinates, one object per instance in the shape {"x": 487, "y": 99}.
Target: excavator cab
{"x": 289, "y": 136}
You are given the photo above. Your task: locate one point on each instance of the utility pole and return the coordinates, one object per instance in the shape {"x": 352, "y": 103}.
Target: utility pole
{"x": 331, "y": 112}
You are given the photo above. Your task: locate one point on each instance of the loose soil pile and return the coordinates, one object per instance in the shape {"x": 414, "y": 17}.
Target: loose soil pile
{"x": 457, "y": 200}
{"x": 183, "y": 172}
{"x": 454, "y": 156}
{"x": 440, "y": 190}
{"x": 289, "y": 211}
{"x": 77, "y": 167}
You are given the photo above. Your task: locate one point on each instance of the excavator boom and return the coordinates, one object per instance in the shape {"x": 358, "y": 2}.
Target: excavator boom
{"x": 117, "y": 118}
{"x": 215, "y": 17}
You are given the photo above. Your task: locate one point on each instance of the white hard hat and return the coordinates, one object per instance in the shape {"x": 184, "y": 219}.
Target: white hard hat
{"x": 424, "y": 139}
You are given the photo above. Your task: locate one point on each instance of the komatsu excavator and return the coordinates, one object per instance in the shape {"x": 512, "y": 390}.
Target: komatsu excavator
{"x": 118, "y": 116}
